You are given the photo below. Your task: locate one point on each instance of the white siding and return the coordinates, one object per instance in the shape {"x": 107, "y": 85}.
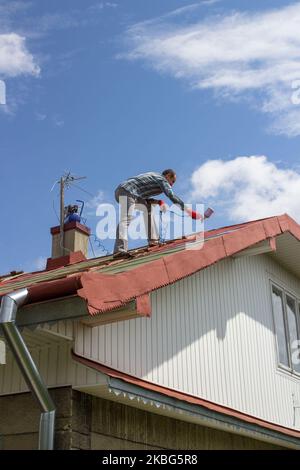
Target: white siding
{"x": 53, "y": 360}
{"x": 210, "y": 335}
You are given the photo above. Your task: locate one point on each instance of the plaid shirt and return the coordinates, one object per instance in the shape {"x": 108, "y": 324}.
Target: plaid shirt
{"x": 150, "y": 184}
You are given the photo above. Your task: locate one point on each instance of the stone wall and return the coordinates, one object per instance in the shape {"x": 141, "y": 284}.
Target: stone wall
{"x": 20, "y": 415}
{"x": 86, "y": 422}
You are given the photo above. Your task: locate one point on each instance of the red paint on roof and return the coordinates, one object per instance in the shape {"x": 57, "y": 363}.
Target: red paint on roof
{"x": 104, "y": 292}
{"x": 54, "y": 289}
{"x": 143, "y": 305}
{"x": 184, "y": 396}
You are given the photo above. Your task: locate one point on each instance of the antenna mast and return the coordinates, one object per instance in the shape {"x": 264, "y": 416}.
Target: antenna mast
{"x": 65, "y": 182}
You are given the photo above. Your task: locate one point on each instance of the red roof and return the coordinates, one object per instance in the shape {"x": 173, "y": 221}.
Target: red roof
{"x": 103, "y": 291}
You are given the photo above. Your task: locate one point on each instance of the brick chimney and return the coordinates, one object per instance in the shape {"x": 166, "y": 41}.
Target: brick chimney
{"x": 75, "y": 247}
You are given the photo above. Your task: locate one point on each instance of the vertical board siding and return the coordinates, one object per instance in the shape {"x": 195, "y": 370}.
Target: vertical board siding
{"x": 210, "y": 335}
{"x": 54, "y": 363}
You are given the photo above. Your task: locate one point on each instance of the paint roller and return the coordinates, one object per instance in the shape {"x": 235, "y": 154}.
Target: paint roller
{"x": 209, "y": 211}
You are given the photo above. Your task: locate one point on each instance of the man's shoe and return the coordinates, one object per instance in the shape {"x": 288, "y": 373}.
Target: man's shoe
{"x": 122, "y": 254}
{"x": 152, "y": 243}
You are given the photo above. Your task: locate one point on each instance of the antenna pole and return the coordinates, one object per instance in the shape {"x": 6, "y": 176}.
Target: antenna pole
{"x": 65, "y": 182}
{"x": 62, "y": 216}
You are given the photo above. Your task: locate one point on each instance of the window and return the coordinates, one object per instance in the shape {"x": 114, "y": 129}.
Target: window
{"x": 286, "y": 310}
{"x": 278, "y": 310}
{"x": 293, "y": 330}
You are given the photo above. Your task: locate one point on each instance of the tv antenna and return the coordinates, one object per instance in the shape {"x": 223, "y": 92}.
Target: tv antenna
{"x": 65, "y": 182}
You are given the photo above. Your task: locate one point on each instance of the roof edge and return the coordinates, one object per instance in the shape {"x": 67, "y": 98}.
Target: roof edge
{"x": 119, "y": 289}
{"x": 224, "y": 410}
{"x": 104, "y": 292}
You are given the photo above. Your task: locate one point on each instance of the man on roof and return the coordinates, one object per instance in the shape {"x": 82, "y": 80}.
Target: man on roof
{"x": 139, "y": 190}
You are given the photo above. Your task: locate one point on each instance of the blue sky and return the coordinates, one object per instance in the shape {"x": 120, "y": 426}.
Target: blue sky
{"x": 111, "y": 89}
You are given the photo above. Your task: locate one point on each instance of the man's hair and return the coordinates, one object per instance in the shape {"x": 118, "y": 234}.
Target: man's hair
{"x": 169, "y": 171}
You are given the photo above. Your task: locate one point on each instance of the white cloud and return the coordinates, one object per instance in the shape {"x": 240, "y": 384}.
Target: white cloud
{"x": 15, "y": 59}
{"x": 8, "y": 10}
{"x": 186, "y": 9}
{"x": 2, "y": 92}
{"x": 235, "y": 55}
{"x": 210, "y": 2}
{"x": 40, "y": 263}
{"x": 93, "y": 203}
{"x": 58, "y": 121}
{"x": 248, "y": 188}
{"x": 40, "y": 116}
{"x": 101, "y": 5}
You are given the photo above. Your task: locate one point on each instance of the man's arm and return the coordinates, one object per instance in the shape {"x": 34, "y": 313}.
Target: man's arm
{"x": 166, "y": 188}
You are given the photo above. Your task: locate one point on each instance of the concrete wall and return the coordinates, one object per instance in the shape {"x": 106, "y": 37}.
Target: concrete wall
{"x": 20, "y": 414}
{"x": 86, "y": 422}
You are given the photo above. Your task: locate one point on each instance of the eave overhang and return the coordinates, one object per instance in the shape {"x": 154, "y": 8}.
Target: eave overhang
{"x": 139, "y": 393}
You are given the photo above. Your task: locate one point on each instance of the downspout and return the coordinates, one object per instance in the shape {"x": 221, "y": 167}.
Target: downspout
{"x": 8, "y": 312}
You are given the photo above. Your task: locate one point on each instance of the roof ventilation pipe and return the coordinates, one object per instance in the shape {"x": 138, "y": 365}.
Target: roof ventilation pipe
{"x": 8, "y": 311}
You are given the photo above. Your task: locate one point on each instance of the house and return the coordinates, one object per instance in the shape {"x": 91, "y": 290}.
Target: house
{"x": 173, "y": 349}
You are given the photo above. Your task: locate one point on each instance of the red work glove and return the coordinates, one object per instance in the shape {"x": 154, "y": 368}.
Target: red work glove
{"x": 162, "y": 205}
{"x": 194, "y": 214}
